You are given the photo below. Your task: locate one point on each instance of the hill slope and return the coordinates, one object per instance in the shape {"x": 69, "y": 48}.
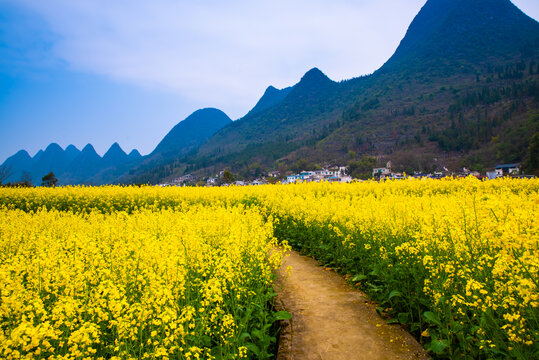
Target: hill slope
{"x": 461, "y": 89}
{"x": 191, "y": 132}
{"x": 271, "y": 97}
{"x": 462, "y": 31}
{"x": 17, "y": 164}
{"x": 184, "y": 138}
{"x": 114, "y": 156}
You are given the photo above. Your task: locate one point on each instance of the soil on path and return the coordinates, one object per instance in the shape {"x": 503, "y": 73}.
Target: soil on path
{"x": 333, "y": 321}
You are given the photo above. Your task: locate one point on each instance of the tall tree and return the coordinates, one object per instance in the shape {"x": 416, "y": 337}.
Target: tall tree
{"x": 228, "y": 178}
{"x": 49, "y": 180}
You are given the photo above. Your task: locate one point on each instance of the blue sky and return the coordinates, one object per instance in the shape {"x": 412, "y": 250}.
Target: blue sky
{"x": 100, "y": 71}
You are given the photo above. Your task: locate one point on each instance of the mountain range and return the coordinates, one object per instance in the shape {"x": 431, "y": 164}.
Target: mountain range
{"x": 72, "y": 166}
{"x": 460, "y": 90}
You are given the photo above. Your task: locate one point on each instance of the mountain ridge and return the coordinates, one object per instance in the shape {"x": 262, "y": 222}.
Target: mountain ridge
{"x": 455, "y": 93}
{"x": 404, "y": 107}
{"x": 456, "y": 28}
{"x": 71, "y": 166}
{"x": 271, "y": 97}
{"x": 190, "y": 132}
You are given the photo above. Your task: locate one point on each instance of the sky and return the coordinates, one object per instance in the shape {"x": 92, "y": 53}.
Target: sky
{"x": 127, "y": 71}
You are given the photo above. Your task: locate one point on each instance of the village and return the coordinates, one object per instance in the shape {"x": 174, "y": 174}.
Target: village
{"x": 340, "y": 174}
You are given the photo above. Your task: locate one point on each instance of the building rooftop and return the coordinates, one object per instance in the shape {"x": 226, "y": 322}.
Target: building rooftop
{"x": 507, "y": 166}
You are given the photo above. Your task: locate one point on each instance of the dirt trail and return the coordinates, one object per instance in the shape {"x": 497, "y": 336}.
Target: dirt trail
{"x": 332, "y": 321}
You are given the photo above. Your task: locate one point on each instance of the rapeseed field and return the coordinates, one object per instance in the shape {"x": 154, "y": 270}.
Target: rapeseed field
{"x": 149, "y": 284}
{"x": 186, "y": 273}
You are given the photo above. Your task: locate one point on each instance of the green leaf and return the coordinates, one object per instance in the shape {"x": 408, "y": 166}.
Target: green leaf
{"x": 393, "y": 294}
{"x": 253, "y": 348}
{"x": 392, "y": 321}
{"x": 455, "y": 326}
{"x": 498, "y": 352}
{"x": 359, "y": 277}
{"x": 206, "y": 340}
{"x": 432, "y": 318}
{"x": 282, "y": 315}
{"x": 244, "y": 336}
{"x": 403, "y": 317}
{"x": 258, "y": 334}
{"x": 438, "y": 346}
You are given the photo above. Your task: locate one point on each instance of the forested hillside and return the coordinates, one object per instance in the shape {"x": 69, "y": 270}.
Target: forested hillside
{"x": 461, "y": 90}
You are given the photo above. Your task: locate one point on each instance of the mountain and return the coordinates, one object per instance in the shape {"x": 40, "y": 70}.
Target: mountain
{"x": 115, "y": 156}
{"x": 18, "y": 164}
{"x": 298, "y": 111}
{"x": 462, "y": 32}
{"x": 271, "y": 97}
{"x": 54, "y": 159}
{"x": 85, "y": 165}
{"x": 89, "y": 168}
{"x": 72, "y": 166}
{"x": 184, "y": 138}
{"x": 314, "y": 82}
{"x": 114, "y": 164}
{"x": 71, "y": 152}
{"x": 460, "y": 90}
{"x": 134, "y": 155}
{"x": 191, "y": 132}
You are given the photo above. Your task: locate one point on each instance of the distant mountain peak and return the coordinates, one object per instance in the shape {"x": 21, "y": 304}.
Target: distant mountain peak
{"x": 271, "y": 97}
{"x": 54, "y": 147}
{"x": 270, "y": 92}
{"x": 192, "y": 131}
{"x": 466, "y": 31}
{"x": 89, "y": 149}
{"x": 315, "y": 74}
{"x": 19, "y": 162}
{"x": 204, "y": 111}
{"x": 71, "y": 152}
{"x": 134, "y": 154}
{"x": 22, "y": 154}
{"x": 115, "y": 150}
{"x": 115, "y": 156}
{"x": 312, "y": 80}
{"x": 115, "y": 147}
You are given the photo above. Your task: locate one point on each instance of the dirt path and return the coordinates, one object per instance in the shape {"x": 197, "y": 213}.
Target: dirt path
{"x": 332, "y": 321}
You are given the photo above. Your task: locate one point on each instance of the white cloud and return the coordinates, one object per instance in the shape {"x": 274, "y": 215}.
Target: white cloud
{"x": 224, "y": 53}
